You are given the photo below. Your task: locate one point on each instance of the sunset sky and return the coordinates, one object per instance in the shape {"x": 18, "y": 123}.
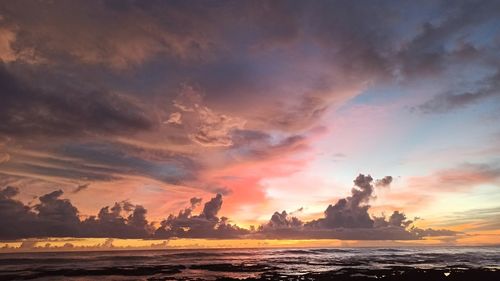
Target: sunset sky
{"x": 195, "y": 121}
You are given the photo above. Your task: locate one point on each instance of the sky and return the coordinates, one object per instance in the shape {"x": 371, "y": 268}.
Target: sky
{"x": 255, "y": 123}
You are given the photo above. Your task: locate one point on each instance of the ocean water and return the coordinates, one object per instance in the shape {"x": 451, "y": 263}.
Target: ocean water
{"x": 429, "y": 263}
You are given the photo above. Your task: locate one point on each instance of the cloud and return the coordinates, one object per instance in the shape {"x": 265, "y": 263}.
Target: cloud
{"x": 123, "y": 220}
{"x": 7, "y": 38}
{"x": 31, "y": 111}
{"x": 398, "y": 219}
{"x": 108, "y": 243}
{"x": 57, "y": 217}
{"x": 253, "y": 77}
{"x": 219, "y": 60}
{"x": 51, "y": 217}
{"x": 81, "y": 187}
{"x": 212, "y": 207}
{"x": 54, "y": 245}
{"x": 59, "y": 213}
{"x": 348, "y": 212}
{"x": 490, "y": 87}
{"x": 54, "y": 216}
{"x": 462, "y": 177}
{"x": 223, "y": 190}
{"x": 28, "y": 244}
{"x": 121, "y": 160}
{"x": 258, "y": 75}
{"x": 438, "y": 45}
{"x": 205, "y": 127}
{"x": 447, "y": 49}
{"x": 195, "y": 201}
{"x": 10, "y": 51}
{"x": 384, "y": 182}
{"x": 348, "y": 219}
{"x": 4, "y": 157}
{"x": 282, "y": 220}
{"x": 115, "y": 44}
{"x": 205, "y": 225}
{"x": 473, "y": 220}
{"x": 259, "y": 145}
{"x": 175, "y": 118}
{"x": 214, "y": 129}
{"x": 8, "y": 192}
{"x": 100, "y": 163}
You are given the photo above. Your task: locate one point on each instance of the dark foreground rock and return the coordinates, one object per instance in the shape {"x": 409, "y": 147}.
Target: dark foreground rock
{"x": 384, "y": 274}
{"x": 260, "y": 272}
{"x": 93, "y": 274}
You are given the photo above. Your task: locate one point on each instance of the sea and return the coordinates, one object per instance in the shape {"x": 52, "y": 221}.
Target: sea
{"x": 418, "y": 263}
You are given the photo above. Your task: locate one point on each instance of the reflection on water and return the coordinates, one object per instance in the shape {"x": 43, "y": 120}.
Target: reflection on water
{"x": 289, "y": 264}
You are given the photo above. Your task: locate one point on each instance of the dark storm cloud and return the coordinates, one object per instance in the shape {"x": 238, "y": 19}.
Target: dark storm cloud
{"x": 398, "y": 219}
{"x": 57, "y": 217}
{"x": 212, "y": 207}
{"x": 348, "y": 219}
{"x": 348, "y": 212}
{"x": 51, "y": 217}
{"x": 385, "y": 233}
{"x": 53, "y": 208}
{"x": 195, "y": 201}
{"x": 205, "y": 225}
{"x": 282, "y": 220}
{"x": 123, "y": 220}
{"x": 30, "y": 110}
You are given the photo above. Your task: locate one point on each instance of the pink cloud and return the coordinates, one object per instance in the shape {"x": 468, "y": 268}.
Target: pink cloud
{"x": 460, "y": 178}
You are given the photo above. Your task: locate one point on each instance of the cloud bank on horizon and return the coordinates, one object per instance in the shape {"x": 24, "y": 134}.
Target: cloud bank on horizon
{"x": 348, "y": 219}
{"x": 274, "y": 105}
